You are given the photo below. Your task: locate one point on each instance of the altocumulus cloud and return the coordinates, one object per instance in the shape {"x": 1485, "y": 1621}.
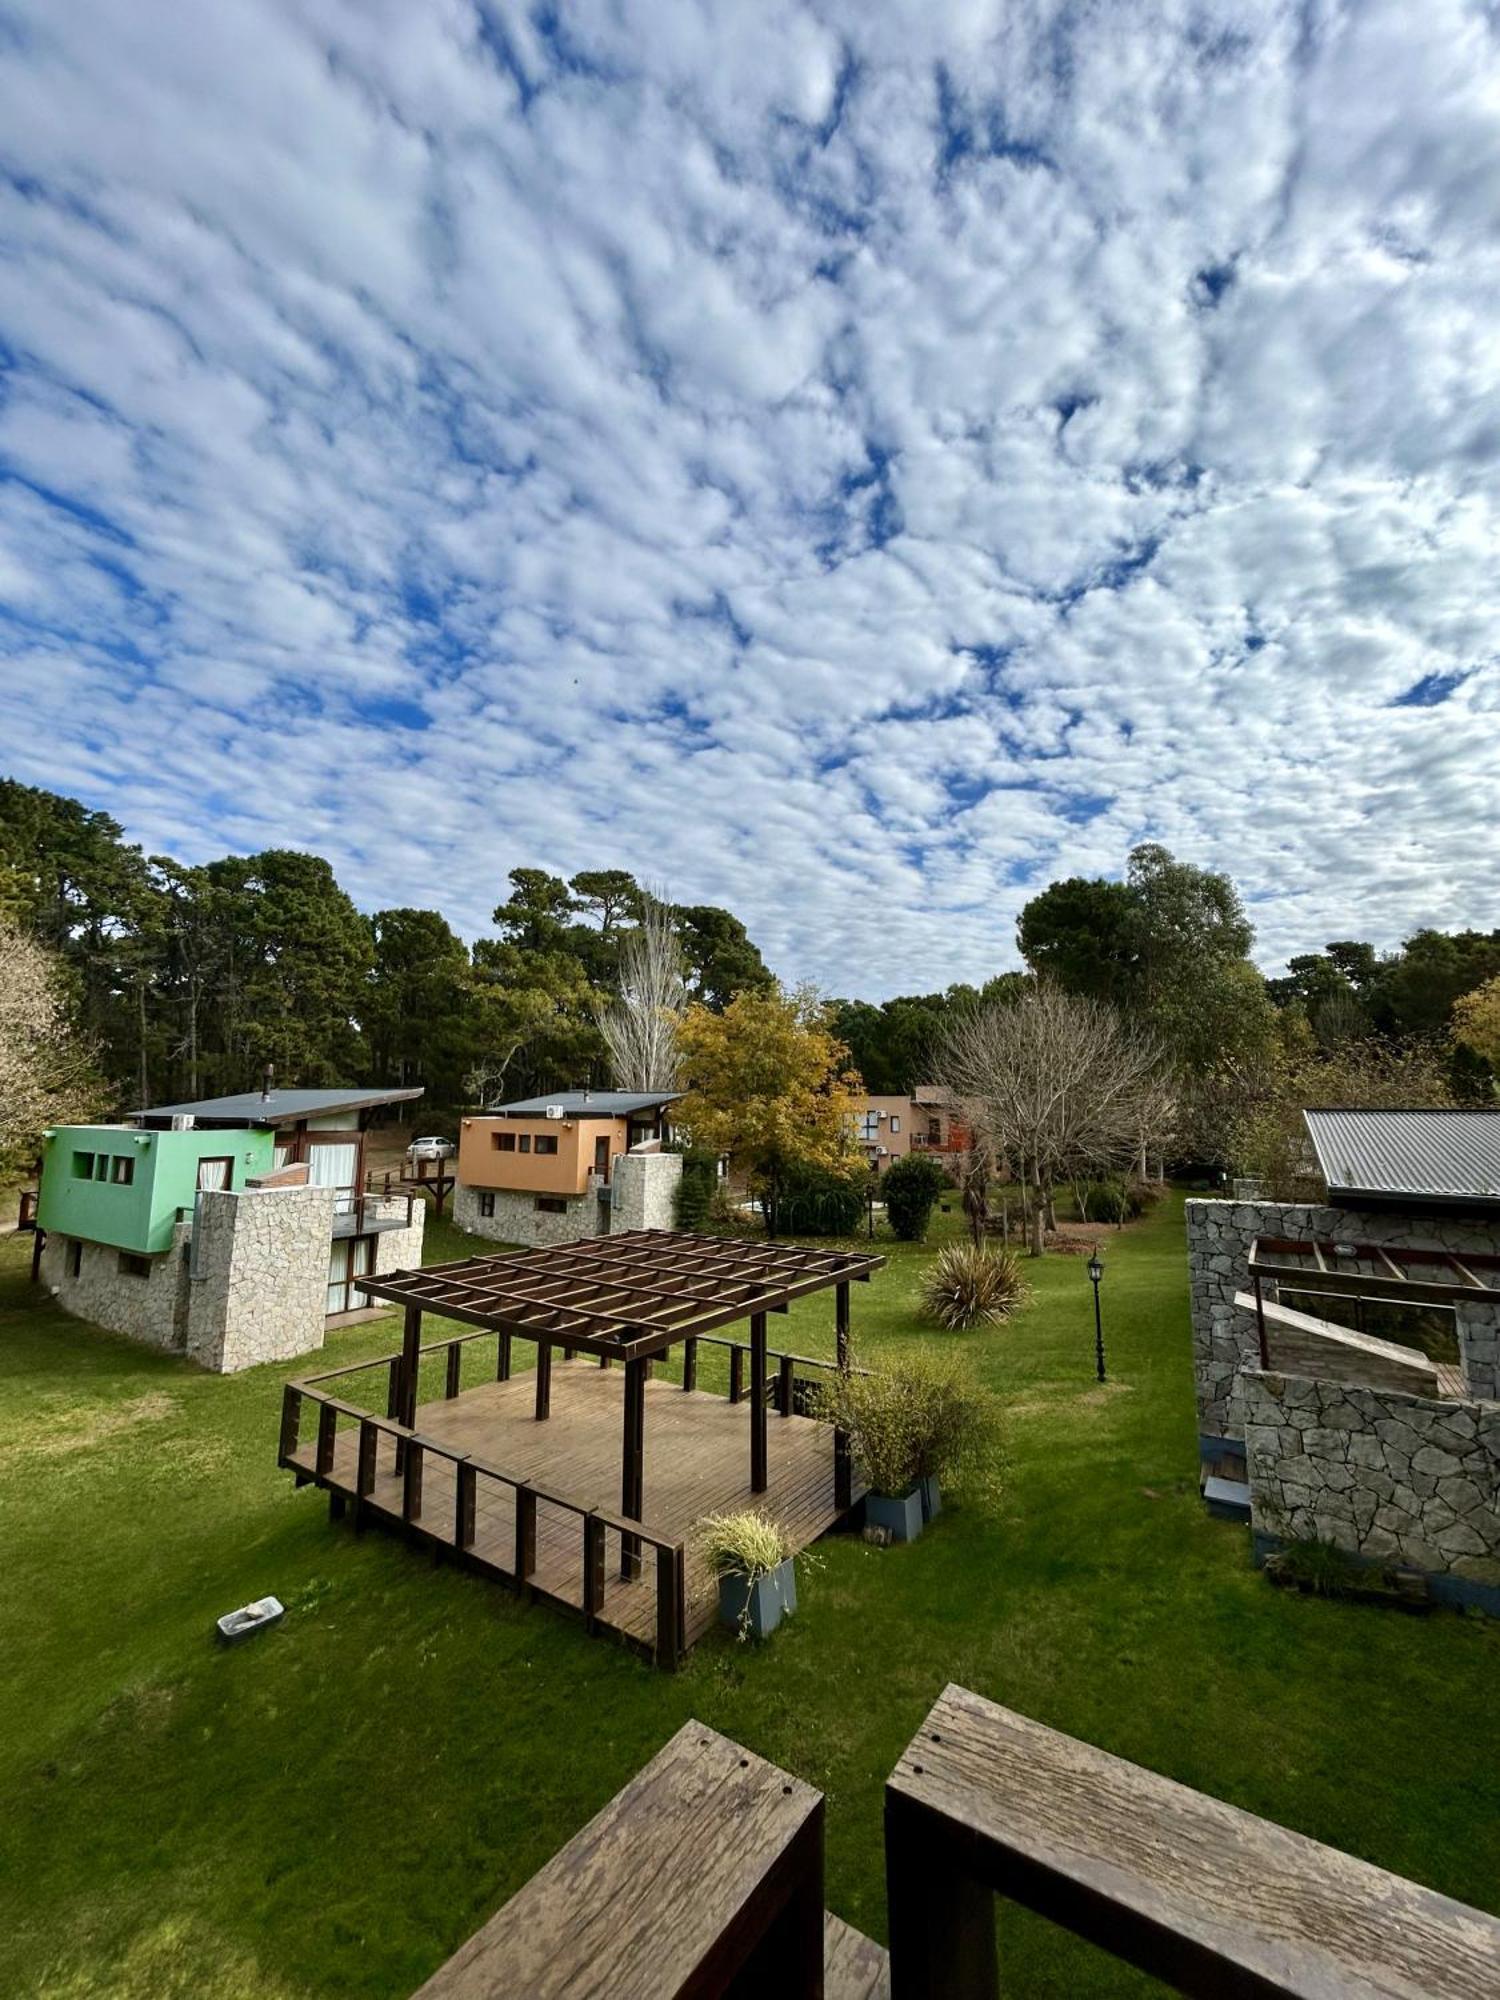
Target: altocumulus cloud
{"x": 853, "y": 463}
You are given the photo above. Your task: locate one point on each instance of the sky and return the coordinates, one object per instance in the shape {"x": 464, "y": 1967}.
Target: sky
{"x": 855, "y": 464}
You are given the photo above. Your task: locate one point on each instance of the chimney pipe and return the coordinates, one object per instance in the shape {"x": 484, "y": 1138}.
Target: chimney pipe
{"x": 267, "y": 1082}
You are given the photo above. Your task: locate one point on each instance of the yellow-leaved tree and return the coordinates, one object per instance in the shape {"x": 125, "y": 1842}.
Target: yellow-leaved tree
{"x": 1476, "y": 1022}
{"x": 771, "y": 1085}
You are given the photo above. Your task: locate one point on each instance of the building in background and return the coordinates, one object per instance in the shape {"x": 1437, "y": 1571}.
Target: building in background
{"x": 575, "y": 1163}
{"x": 230, "y": 1229}
{"x": 890, "y": 1127}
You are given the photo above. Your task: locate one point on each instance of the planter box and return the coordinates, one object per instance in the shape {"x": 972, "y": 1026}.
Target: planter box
{"x": 901, "y": 1519}
{"x": 932, "y": 1499}
{"x": 758, "y": 1607}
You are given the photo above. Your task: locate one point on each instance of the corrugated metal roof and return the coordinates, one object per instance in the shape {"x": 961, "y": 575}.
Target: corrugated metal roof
{"x": 1423, "y": 1155}
{"x": 254, "y": 1107}
{"x": 587, "y": 1103}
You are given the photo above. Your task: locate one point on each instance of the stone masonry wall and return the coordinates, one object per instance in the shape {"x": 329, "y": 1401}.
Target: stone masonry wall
{"x": 1384, "y": 1476}
{"x": 1219, "y": 1237}
{"x": 645, "y": 1187}
{"x": 152, "y": 1309}
{"x": 517, "y": 1219}
{"x": 261, "y": 1264}
{"x": 401, "y": 1249}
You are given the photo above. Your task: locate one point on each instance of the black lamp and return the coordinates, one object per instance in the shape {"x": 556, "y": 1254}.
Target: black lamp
{"x": 1096, "y": 1272}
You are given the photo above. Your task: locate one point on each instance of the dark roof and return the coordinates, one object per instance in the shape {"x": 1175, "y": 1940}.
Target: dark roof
{"x": 254, "y": 1107}
{"x": 587, "y": 1103}
{"x": 1444, "y": 1158}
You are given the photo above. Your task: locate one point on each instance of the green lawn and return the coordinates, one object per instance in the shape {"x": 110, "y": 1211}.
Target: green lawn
{"x": 331, "y": 1808}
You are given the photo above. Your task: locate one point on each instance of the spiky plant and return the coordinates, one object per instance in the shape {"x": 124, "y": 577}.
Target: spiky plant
{"x": 747, "y": 1544}
{"x": 967, "y": 1287}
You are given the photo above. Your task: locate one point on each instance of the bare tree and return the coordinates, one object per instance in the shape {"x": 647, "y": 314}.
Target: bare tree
{"x": 641, "y": 1024}
{"x": 1059, "y": 1086}
{"x": 46, "y": 1073}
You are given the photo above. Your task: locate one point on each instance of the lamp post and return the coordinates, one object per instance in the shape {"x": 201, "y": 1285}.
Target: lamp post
{"x": 1096, "y": 1272}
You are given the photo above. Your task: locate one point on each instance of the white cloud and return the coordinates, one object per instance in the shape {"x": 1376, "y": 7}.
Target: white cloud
{"x": 854, "y": 464}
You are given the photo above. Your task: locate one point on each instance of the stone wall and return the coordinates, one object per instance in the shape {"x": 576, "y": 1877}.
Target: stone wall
{"x": 645, "y": 1188}
{"x": 258, "y": 1276}
{"x": 401, "y": 1249}
{"x": 151, "y": 1309}
{"x": 1219, "y": 1237}
{"x": 1386, "y": 1477}
{"x": 517, "y": 1219}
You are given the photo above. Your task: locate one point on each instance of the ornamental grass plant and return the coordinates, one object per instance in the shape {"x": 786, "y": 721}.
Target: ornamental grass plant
{"x": 968, "y": 1286}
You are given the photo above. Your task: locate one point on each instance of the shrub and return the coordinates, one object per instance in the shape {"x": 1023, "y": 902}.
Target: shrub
{"x": 692, "y": 1205}
{"x": 747, "y": 1544}
{"x": 1103, "y": 1201}
{"x": 809, "y": 1200}
{"x": 966, "y": 1287}
{"x": 911, "y": 1186}
{"x": 919, "y": 1418}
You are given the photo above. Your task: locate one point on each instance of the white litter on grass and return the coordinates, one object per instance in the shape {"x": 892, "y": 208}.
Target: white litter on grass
{"x": 249, "y": 1618}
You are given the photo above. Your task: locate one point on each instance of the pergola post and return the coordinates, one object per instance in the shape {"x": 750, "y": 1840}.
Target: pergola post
{"x": 841, "y": 1324}
{"x": 405, "y": 1411}
{"x": 633, "y": 1465}
{"x": 843, "y": 1467}
{"x": 543, "y": 1380}
{"x": 758, "y": 1478}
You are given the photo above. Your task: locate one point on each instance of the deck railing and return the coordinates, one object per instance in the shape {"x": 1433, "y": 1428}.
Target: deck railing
{"x": 473, "y": 1476}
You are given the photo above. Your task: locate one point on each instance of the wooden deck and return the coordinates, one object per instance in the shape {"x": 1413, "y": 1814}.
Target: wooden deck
{"x": 697, "y": 1461}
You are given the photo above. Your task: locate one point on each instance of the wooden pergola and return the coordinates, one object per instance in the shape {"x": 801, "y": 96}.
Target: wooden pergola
{"x": 1392, "y": 1274}
{"x": 627, "y": 1298}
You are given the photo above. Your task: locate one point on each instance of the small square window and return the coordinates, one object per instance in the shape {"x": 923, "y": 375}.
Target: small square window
{"x": 132, "y": 1266}
{"x": 545, "y": 1143}
{"x": 122, "y": 1169}
{"x": 523, "y": 1143}
{"x": 486, "y": 1204}
{"x": 83, "y": 1166}
{"x": 551, "y": 1204}
{"x": 505, "y": 1142}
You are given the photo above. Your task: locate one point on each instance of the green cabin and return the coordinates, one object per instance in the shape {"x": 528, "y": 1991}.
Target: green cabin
{"x": 125, "y": 1187}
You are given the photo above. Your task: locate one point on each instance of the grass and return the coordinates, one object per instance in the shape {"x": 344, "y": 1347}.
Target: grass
{"x": 332, "y": 1807}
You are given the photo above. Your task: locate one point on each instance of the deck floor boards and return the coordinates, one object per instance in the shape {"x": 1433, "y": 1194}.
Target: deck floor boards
{"x": 697, "y": 1461}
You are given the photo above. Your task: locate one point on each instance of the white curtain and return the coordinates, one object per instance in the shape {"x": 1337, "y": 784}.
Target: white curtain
{"x": 335, "y": 1167}
{"x": 213, "y": 1175}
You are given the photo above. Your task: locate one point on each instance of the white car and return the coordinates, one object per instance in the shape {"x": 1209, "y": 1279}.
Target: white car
{"x": 431, "y": 1149}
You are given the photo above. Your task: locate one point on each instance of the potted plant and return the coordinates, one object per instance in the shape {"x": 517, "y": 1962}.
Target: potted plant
{"x": 909, "y": 1426}
{"x": 749, "y": 1555}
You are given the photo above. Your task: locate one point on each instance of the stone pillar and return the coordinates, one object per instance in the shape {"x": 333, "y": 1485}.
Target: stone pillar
{"x": 258, "y": 1280}
{"x": 645, "y": 1187}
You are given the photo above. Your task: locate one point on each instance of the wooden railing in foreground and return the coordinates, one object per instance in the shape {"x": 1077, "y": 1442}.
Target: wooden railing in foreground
{"x": 471, "y": 1475}
{"x": 1200, "y": 1894}
{"x": 703, "y": 1877}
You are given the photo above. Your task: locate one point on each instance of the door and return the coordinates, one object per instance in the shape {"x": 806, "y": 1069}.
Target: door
{"x": 338, "y": 1275}
{"x": 601, "y": 1157}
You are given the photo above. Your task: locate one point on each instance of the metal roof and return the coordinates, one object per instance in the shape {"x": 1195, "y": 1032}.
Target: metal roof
{"x": 255, "y": 1107}
{"x": 587, "y": 1103}
{"x": 1446, "y": 1157}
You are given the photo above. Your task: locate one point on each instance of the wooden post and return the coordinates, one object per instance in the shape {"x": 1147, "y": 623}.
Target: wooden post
{"x": 465, "y": 1504}
{"x": 291, "y": 1421}
{"x": 669, "y": 1606}
{"x": 328, "y": 1424}
{"x": 690, "y": 1364}
{"x": 757, "y": 1402}
{"x": 736, "y": 1372}
{"x": 393, "y": 1388}
{"x": 455, "y": 1368}
{"x": 525, "y": 1535}
{"x": 543, "y": 1380}
{"x": 593, "y": 1570}
{"x": 942, "y": 1921}
{"x": 633, "y": 1466}
{"x": 502, "y": 1358}
{"x": 841, "y": 1323}
{"x": 411, "y": 1341}
{"x": 364, "y": 1477}
{"x": 411, "y": 1483}
{"x": 785, "y": 1385}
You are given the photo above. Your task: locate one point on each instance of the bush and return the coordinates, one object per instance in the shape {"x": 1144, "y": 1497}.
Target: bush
{"x": 817, "y": 1201}
{"x": 747, "y": 1544}
{"x": 965, "y": 1287}
{"x": 1103, "y": 1201}
{"x": 692, "y": 1205}
{"x": 911, "y": 1185}
{"x": 920, "y": 1418}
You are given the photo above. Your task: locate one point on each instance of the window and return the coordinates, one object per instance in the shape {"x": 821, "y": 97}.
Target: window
{"x": 83, "y": 1166}
{"x": 895, "y": 1123}
{"x": 216, "y": 1174}
{"x": 545, "y": 1143}
{"x": 75, "y": 1259}
{"x": 523, "y": 1143}
{"x": 122, "y": 1169}
{"x": 132, "y": 1266}
{"x": 505, "y": 1142}
{"x": 869, "y": 1127}
{"x": 486, "y": 1204}
{"x": 551, "y": 1204}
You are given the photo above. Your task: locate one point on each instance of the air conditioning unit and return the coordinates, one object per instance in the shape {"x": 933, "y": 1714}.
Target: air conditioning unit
{"x": 183, "y": 1121}
{"x": 557, "y": 1111}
